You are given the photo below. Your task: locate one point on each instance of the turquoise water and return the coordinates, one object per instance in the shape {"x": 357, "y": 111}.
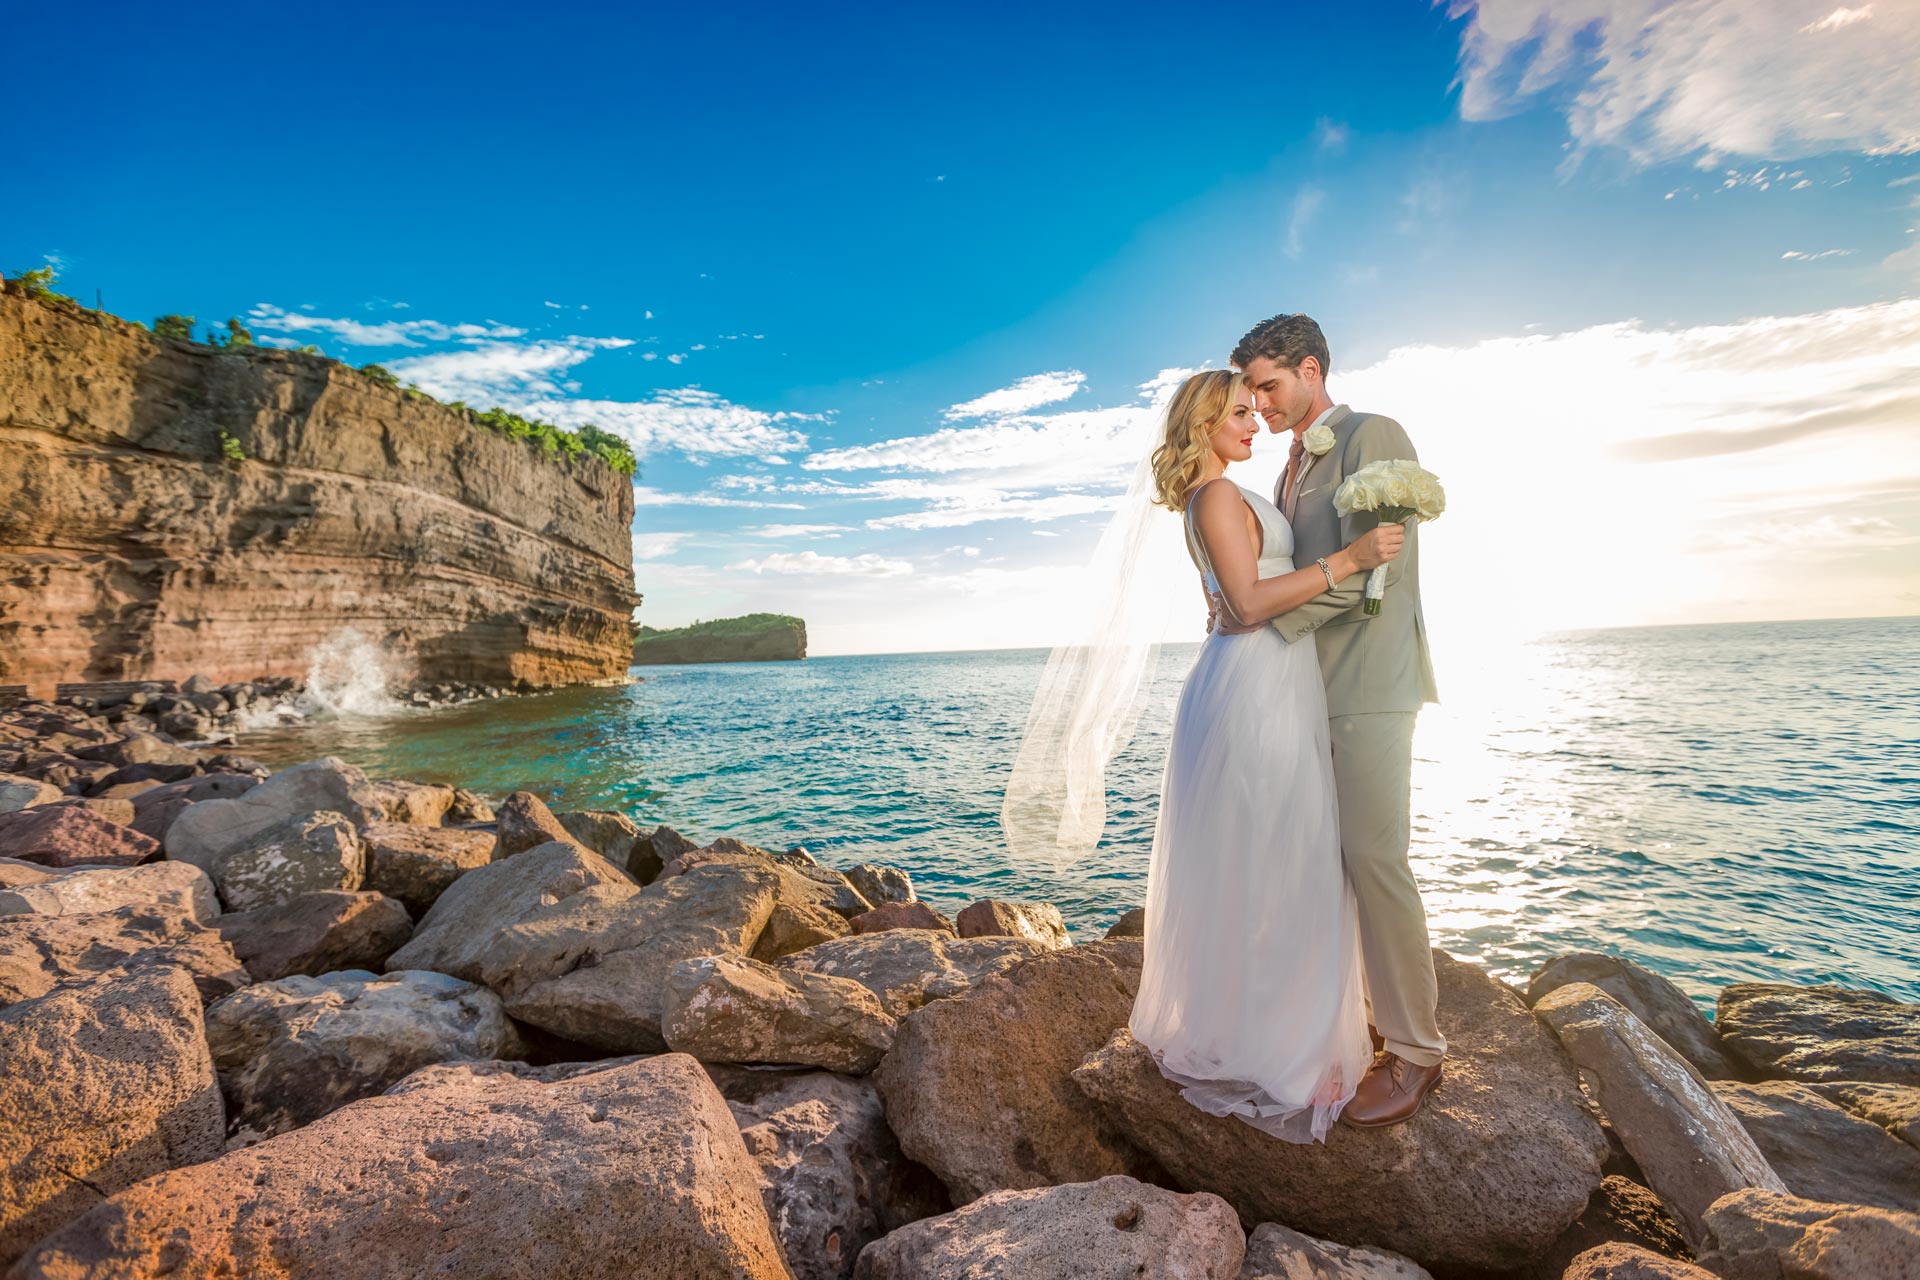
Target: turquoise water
{"x": 1723, "y": 803}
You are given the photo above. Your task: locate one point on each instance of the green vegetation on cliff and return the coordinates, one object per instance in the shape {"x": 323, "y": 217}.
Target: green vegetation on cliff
{"x": 757, "y": 637}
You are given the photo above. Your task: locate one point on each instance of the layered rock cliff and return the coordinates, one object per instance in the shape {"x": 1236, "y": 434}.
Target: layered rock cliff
{"x": 133, "y": 547}
{"x": 757, "y": 637}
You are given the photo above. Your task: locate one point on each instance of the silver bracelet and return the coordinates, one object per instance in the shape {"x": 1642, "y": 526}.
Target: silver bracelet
{"x": 1326, "y": 569}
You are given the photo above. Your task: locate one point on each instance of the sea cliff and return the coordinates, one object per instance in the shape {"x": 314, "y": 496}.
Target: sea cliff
{"x": 757, "y": 637}
{"x": 172, "y": 508}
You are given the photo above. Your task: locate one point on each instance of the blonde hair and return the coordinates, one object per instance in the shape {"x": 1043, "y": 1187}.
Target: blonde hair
{"x": 1197, "y": 408}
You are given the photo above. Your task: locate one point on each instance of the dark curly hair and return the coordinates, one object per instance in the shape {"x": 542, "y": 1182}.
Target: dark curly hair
{"x": 1285, "y": 340}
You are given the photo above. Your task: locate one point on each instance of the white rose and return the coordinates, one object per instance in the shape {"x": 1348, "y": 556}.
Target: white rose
{"x": 1318, "y": 439}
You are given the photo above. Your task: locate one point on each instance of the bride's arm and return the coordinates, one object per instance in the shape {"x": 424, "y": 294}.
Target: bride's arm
{"x": 1220, "y": 517}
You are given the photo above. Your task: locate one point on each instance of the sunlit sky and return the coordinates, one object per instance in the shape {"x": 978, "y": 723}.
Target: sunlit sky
{"x": 883, "y": 298}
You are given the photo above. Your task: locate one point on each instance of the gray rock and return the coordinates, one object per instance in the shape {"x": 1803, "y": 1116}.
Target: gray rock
{"x": 655, "y": 850}
{"x": 1275, "y": 1252}
{"x": 479, "y": 1071}
{"x": 317, "y": 933}
{"x": 794, "y": 926}
{"x": 1663, "y": 1007}
{"x": 1110, "y": 1229}
{"x": 878, "y": 884}
{"x": 1131, "y": 924}
{"x": 901, "y": 915}
{"x": 415, "y": 864}
{"x": 1038, "y": 921}
{"x": 107, "y": 1082}
{"x": 728, "y": 1008}
{"x": 1821, "y": 1033}
{"x": 1823, "y": 1151}
{"x": 1894, "y": 1107}
{"x": 211, "y": 829}
{"x": 979, "y": 1087}
{"x": 161, "y": 886}
{"x": 908, "y": 967}
{"x": 138, "y": 748}
{"x": 1506, "y": 1144}
{"x": 524, "y": 822}
{"x": 17, "y": 792}
{"x": 469, "y": 806}
{"x": 306, "y": 853}
{"x": 1690, "y": 1146}
{"x": 290, "y": 1051}
{"x": 38, "y": 953}
{"x": 800, "y": 884}
{"x": 611, "y": 835}
{"x": 421, "y": 804}
{"x": 1765, "y": 1235}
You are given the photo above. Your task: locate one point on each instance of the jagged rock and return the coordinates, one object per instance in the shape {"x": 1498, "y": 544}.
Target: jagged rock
{"x": 155, "y": 809}
{"x": 611, "y": 835}
{"x": 1505, "y": 1143}
{"x": 524, "y": 822}
{"x": 901, "y": 915}
{"x": 1131, "y": 924}
{"x": 60, "y": 835}
{"x": 1765, "y": 1235}
{"x": 162, "y": 886}
{"x": 574, "y": 948}
{"x": 479, "y": 1070}
{"x": 637, "y": 1171}
{"x": 209, "y": 830}
{"x": 290, "y": 1051}
{"x": 728, "y": 1008}
{"x": 18, "y": 793}
{"x": 654, "y": 851}
{"x": 420, "y": 804}
{"x": 137, "y": 748}
{"x": 316, "y": 933}
{"x": 880, "y": 885}
{"x": 978, "y": 1087}
{"x": 831, "y": 1175}
{"x": 107, "y": 1082}
{"x": 1821, "y": 1033}
{"x": 1104, "y": 1230}
{"x": 794, "y": 926}
{"x": 1894, "y": 1107}
{"x": 39, "y": 952}
{"x": 1690, "y": 1146}
{"x": 1823, "y": 1151}
{"x": 15, "y": 874}
{"x": 117, "y": 811}
{"x": 1631, "y": 1262}
{"x": 1663, "y": 1007}
{"x": 1039, "y": 921}
{"x": 128, "y": 790}
{"x": 306, "y": 853}
{"x": 1621, "y": 1212}
{"x": 908, "y": 967}
{"x": 807, "y": 884}
{"x": 1276, "y": 1253}
{"x": 415, "y": 864}
{"x": 468, "y": 806}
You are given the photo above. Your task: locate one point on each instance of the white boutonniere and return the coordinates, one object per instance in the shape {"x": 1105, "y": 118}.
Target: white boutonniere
{"x": 1318, "y": 439}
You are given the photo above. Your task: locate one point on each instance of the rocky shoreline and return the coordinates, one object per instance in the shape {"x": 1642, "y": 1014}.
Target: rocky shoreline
{"x": 307, "y": 1023}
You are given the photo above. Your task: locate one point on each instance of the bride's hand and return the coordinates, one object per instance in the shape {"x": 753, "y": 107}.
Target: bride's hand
{"x": 1377, "y": 546}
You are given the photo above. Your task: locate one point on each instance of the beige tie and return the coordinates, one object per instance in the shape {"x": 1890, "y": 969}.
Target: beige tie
{"x": 1289, "y": 494}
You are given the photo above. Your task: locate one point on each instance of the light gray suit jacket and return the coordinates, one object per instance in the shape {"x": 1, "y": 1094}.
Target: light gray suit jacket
{"x": 1370, "y": 663}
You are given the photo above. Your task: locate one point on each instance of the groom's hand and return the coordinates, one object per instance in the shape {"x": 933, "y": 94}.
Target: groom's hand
{"x": 1218, "y": 619}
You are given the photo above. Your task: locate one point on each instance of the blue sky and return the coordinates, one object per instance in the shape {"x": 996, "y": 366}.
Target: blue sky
{"x": 876, "y": 292}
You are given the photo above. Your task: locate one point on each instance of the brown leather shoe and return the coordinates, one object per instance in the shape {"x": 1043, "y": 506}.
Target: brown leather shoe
{"x": 1391, "y": 1092}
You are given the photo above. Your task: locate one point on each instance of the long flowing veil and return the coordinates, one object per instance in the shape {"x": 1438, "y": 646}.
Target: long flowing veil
{"x": 1093, "y": 690}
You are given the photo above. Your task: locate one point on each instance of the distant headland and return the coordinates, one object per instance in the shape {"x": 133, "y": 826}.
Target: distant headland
{"x": 757, "y": 637}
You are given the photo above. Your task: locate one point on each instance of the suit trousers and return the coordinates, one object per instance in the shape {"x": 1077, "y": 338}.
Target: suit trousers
{"x": 1372, "y": 772}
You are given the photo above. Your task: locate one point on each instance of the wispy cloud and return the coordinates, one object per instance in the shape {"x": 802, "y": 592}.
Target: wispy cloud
{"x": 655, "y": 546}
{"x": 646, "y": 496}
{"x": 1305, "y": 205}
{"x": 800, "y": 530}
{"x": 1796, "y": 255}
{"x": 387, "y": 333}
{"x": 1029, "y": 393}
{"x": 813, "y": 564}
{"x": 1331, "y": 136}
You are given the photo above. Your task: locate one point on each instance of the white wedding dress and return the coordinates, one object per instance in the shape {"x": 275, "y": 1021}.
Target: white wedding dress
{"x": 1253, "y": 995}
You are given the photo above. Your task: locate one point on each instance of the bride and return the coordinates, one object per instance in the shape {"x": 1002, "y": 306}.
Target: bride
{"x": 1253, "y": 996}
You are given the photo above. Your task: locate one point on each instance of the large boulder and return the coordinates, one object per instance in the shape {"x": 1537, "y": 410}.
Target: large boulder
{"x": 290, "y": 1051}
{"x": 64, "y": 835}
{"x": 1764, "y": 1235}
{"x": 795, "y": 926}
{"x": 107, "y": 1082}
{"x": 1631, "y": 1262}
{"x": 1821, "y": 1033}
{"x": 138, "y": 748}
{"x": 1621, "y": 1212}
{"x": 37, "y": 953}
{"x": 307, "y": 853}
{"x": 316, "y": 933}
{"x": 420, "y": 804}
{"x": 635, "y": 1171}
{"x": 17, "y": 792}
{"x": 210, "y": 829}
{"x": 653, "y": 851}
{"x": 801, "y": 883}
{"x": 1111, "y": 1229}
{"x": 524, "y": 822}
{"x": 1040, "y": 922}
{"x": 1275, "y": 1252}
{"x": 831, "y": 1175}
{"x": 1502, "y": 1158}
{"x": 728, "y": 1008}
{"x": 608, "y": 833}
{"x": 590, "y": 964}
{"x": 1692, "y": 1149}
{"x": 879, "y": 884}
{"x": 415, "y": 864}
{"x": 161, "y": 886}
{"x": 979, "y": 1087}
{"x": 1131, "y": 924}
{"x": 908, "y": 967}
{"x": 1894, "y": 1107}
{"x": 1663, "y": 1007}
{"x": 1821, "y": 1150}
{"x": 155, "y": 809}
{"x": 901, "y": 915}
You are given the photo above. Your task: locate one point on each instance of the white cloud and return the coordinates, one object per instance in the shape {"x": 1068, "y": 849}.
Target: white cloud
{"x": 1305, "y": 205}
{"x": 654, "y": 546}
{"x": 647, "y": 496}
{"x": 1331, "y": 136}
{"x": 800, "y": 530}
{"x": 388, "y": 333}
{"x": 1029, "y": 393}
{"x": 813, "y": 564}
{"x": 975, "y": 506}
{"x": 1795, "y": 255}
{"x": 1677, "y": 79}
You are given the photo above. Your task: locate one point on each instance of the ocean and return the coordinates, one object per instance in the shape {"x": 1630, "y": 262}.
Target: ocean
{"x": 1721, "y": 803}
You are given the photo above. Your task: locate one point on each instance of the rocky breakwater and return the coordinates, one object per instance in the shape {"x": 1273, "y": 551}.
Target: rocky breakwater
{"x": 172, "y": 508}
{"x": 311, "y": 1024}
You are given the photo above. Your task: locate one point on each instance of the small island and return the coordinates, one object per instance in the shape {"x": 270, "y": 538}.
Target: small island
{"x": 757, "y": 637}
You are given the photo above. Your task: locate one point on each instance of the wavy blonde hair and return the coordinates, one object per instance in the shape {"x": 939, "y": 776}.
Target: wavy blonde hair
{"x": 1197, "y": 408}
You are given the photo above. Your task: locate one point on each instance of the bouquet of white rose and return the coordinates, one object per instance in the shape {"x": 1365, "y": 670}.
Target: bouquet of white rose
{"x": 1397, "y": 490}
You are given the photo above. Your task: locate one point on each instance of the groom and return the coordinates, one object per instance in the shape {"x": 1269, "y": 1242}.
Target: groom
{"x": 1378, "y": 675}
